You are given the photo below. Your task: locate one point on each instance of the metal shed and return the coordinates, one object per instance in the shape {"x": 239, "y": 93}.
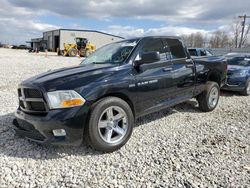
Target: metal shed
{"x": 54, "y": 39}
{"x": 38, "y": 44}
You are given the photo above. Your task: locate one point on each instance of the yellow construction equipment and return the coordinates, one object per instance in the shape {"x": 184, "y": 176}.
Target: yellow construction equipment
{"x": 82, "y": 47}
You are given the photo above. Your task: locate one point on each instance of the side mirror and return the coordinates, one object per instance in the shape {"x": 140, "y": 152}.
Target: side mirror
{"x": 148, "y": 57}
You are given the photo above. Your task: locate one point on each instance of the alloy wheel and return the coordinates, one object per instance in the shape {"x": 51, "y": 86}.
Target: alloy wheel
{"x": 248, "y": 88}
{"x": 213, "y": 97}
{"x": 112, "y": 124}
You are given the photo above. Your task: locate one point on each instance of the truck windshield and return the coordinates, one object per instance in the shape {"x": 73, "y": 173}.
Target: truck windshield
{"x": 241, "y": 61}
{"x": 114, "y": 53}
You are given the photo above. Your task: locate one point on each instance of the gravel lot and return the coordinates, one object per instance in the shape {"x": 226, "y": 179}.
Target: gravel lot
{"x": 177, "y": 147}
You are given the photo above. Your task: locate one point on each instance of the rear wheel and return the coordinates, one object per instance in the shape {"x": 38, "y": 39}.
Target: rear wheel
{"x": 60, "y": 52}
{"x": 209, "y": 98}
{"x": 110, "y": 125}
{"x": 87, "y": 53}
{"x": 82, "y": 52}
{"x": 246, "y": 91}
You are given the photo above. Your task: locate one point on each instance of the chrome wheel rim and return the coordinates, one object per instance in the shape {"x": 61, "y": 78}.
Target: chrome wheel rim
{"x": 248, "y": 88}
{"x": 213, "y": 97}
{"x": 113, "y": 124}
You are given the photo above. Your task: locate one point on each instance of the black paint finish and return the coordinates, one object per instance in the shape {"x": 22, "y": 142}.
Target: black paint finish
{"x": 147, "y": 88}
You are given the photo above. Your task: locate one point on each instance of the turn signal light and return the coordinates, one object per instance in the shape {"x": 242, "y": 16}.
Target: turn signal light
{"x": 73, "y": 102}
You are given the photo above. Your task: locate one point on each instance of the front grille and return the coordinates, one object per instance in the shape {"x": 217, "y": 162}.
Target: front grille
{"x": 31, "y": 100}
{"x": 21, "y": 104}
{"x": 32, "y": 93}
{"x": 233, "y": 82}
{"x": 19, "y": 92}
{"x": 37, "y": 106}
{"x": 229, "y": 73}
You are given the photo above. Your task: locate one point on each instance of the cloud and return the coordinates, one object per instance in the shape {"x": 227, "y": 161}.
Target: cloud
{"x": 174, "y": 30}
{"x": 17, "y": 24}
{"x": 125, "y": 31}
{"x": 18, "y": 31}
{"x": 20, "y": 19}
{"x": 193, "y": 10}
{"x": 129, "y": 31}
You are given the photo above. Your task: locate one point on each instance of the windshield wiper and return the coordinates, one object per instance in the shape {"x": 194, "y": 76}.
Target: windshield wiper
{"x": 98, "y": 62}
{"x": 104, "y": 62}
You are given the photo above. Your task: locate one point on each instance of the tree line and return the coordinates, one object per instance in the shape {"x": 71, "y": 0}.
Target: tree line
{"x": 222, "y": 38}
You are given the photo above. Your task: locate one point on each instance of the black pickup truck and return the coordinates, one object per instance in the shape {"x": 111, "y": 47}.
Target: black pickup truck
{"x": 100, "y": 99}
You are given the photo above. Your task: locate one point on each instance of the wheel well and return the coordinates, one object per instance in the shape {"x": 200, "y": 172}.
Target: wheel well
{"x": 123, "y": 97}
{"x": 215, "y": 77}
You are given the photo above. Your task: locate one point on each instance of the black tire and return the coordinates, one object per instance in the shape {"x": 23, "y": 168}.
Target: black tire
{"x": 203, "y": 98}
{"x": 246, "y": 91}
{"x": 87, "y": 53}
{"x": 72, "y": 52}
{"x": 82, "y": 52}
{"x": 93, "y": 133}
{"x": 62, "y": 52}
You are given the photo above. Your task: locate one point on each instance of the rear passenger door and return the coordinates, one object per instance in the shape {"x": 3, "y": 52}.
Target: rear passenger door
{"x": 183, "y": 70}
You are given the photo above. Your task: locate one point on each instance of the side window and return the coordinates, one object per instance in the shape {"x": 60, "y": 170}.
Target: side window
{"x": 203, "y": 53}
{"x": 156, "y": 45}
{"x": 176, "y": 48}
{"x": 209, "y": 53}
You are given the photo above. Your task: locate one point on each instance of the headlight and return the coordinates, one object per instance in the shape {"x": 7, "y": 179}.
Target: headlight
{"x": 242, "y": 73}
{"x": 64, "y": 99}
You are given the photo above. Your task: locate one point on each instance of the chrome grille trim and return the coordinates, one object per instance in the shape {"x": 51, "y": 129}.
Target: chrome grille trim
{"x": 25, "y": 100}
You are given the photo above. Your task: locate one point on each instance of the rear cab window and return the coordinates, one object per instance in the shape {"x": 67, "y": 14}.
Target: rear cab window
{"x": 176, "y": 48}
{"x": 203, "y": 53}
{"x": 193, "y": 52}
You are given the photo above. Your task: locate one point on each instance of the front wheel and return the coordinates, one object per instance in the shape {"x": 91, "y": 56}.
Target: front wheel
{"x": 209, "y": 98}
{"x": 110, "y": 125}
{"x": 72, "y": 52}
{"x": 246, "y": 91}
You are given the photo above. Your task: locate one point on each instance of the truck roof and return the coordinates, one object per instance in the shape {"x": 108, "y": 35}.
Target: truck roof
{"x": 197, "y": 48}
{"x": 237, "y": 54}
{"x": 155, "y": 36}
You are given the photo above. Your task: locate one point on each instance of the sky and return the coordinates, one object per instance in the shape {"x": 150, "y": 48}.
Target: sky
{"x": 21, "y": 20}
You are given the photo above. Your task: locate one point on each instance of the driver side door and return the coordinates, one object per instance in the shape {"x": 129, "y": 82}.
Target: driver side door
{"x": 154, "y": 81}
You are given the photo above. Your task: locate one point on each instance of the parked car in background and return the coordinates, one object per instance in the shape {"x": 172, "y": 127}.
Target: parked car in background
{"x": 21, "y": 47}
{"x": 238, "y": 76}
{"x": 199, "y": 52}
{"x": 14, "y": 47}
{"x": 100, "y": 99}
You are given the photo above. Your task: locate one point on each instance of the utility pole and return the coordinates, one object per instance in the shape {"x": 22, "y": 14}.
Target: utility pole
{"x": 243, "y": 28}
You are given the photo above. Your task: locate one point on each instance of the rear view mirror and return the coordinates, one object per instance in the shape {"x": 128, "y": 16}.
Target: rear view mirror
{"x": 148, "y": 57}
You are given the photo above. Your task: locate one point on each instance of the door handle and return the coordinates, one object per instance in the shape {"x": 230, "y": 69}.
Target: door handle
{"x": 190, "y": 65}
{"x": 189, "y": 61}
{"x": 167, "y": 68}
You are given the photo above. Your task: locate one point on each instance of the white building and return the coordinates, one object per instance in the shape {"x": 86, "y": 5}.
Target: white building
{"x": 55, "y": 39}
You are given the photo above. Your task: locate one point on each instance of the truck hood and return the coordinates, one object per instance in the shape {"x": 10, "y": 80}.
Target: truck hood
{"x": 70, "y": 77}
{"x": 237, "y": 68}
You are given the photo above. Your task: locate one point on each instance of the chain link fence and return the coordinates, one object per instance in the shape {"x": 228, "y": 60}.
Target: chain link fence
{"x": 223, "y": 51}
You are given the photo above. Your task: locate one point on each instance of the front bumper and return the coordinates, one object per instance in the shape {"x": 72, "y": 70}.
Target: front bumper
{"x": 40, "y": 128}
{"x": 234, "y": 84}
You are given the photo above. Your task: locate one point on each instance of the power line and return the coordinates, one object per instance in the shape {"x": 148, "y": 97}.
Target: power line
{"x": 243, "y": 28}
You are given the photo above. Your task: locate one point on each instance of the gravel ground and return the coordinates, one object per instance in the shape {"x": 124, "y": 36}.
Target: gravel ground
{"x": 177, "y": 147}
